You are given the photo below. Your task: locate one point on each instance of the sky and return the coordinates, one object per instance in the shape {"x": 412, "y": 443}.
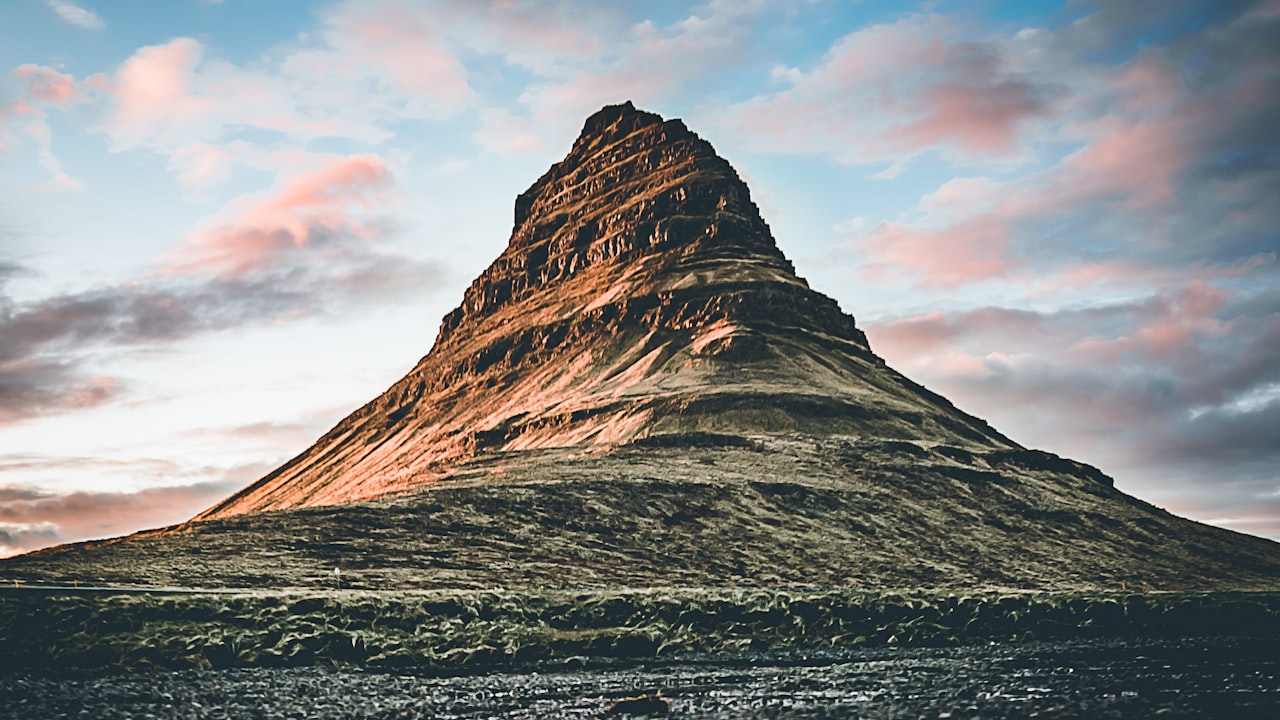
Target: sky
{"x": 224, "y": 225}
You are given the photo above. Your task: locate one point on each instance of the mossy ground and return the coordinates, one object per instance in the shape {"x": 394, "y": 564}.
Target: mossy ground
{"x": 464, "y": 631}
{"x": 796, "y": 512}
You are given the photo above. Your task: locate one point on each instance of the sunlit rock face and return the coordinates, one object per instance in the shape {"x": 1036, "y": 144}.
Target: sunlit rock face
{"x": 641, "y": 296}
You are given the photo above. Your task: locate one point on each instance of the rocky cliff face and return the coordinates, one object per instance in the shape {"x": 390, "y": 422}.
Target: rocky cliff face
{"x": 641, "y": 295}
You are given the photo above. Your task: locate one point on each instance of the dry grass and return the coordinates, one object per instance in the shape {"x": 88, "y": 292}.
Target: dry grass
{"x": 468, "y": 630}
{"x": 703, "y": 512}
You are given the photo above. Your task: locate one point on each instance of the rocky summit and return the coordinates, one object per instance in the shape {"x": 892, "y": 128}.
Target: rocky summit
{"x": 639, "y": 391}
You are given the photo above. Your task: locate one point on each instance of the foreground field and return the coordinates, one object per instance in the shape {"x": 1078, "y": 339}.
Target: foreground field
{"x": 468, "y": 631}
{"x": 1101, "y": 678}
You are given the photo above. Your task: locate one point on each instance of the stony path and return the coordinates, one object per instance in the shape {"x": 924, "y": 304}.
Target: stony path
{"x": 1194, "y": 678}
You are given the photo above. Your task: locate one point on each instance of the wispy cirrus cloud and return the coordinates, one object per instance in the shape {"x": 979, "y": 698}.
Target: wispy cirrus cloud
{"x": 42, "y": 88}
{"x": 76, "y": 14}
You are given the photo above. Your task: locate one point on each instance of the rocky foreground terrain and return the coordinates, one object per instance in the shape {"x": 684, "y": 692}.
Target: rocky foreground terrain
{"x": 1227, "y": 678}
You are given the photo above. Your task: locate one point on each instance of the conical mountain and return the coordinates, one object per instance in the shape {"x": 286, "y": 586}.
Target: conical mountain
{"x": 641, "y": 295}
{"x": 641, "y": 392}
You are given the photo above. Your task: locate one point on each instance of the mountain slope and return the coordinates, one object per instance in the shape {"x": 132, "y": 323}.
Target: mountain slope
{"x": 703, "y": 511}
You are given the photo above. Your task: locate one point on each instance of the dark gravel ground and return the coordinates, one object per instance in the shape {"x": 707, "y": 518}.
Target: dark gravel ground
{"x": 1179, "y": 678}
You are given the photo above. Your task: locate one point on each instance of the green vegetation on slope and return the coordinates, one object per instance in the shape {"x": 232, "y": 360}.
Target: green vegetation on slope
{"x": 453, "y": 631}
{"x": 778, "y": 513}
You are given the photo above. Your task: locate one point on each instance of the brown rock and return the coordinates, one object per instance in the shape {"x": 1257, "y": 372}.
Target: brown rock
{"x": 648, "y": 704}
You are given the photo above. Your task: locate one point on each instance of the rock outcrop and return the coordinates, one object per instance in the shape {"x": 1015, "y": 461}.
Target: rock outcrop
{"x": 641, "y": 295}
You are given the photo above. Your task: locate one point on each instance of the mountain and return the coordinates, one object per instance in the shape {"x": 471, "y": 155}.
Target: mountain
{"x": 641, "y": 295}
{"x": 640, "y": 391}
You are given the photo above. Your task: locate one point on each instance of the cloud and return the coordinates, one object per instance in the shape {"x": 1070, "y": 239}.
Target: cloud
{"x": 48, "y": 346}
{"x": 896, "y": 89}
{"x": 43, "y": 87}
{"x": 583, "y": 60}
{"x": 76, "y": 14}
{"x": 31, "y": 387}
{"x": 156, "y": 99}
{"x": 374, "y": 65}
{"x": 972, "y": 251}
{"x": 356, "y": 80}
{"x": 320, "y": 211}
{"x": 1165, "y": 163}
{"x": 1173, "y": 391}
{"x": 32, "y": 519}
{"x": 17, "y": 538}
{"x": 47, "y": 86}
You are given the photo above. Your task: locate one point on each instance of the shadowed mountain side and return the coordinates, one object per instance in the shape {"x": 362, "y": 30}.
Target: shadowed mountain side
{"x": 705, "y": 510}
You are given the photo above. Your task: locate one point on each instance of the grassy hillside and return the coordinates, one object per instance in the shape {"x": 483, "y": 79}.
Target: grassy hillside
{"x": 776, "y": 513}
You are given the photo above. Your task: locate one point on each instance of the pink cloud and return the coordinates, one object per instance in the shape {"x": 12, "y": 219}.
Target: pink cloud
{"x": 1178, "y": 333}
{"x": 400, "y": 46}
{"x": 1140, "y": 159}
{"x": 373, "y": 66}
{"x": 45, "y": 87}
{"x": 1148, "y": 85}
{"x": 319, "y": 211}
{"x": 1158, "y": 390}
{"x": 1166, "y": 329}
{"x": 31, "y": 519}
{"x": 911, "y": 337}
{"x": 48, "y": 86}
{"x": 979, "y": 120}
{"x": 889, "y": 90}
{"x": 972, "y": 251}
{"x": 975, "y": 229}
{"x": 1173, "y": 329}
{"x": 155, "y": 99}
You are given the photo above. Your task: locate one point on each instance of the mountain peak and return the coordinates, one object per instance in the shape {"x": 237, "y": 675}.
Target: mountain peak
{"x": 612, "y": 122}
{"x": 633, "y": 187}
